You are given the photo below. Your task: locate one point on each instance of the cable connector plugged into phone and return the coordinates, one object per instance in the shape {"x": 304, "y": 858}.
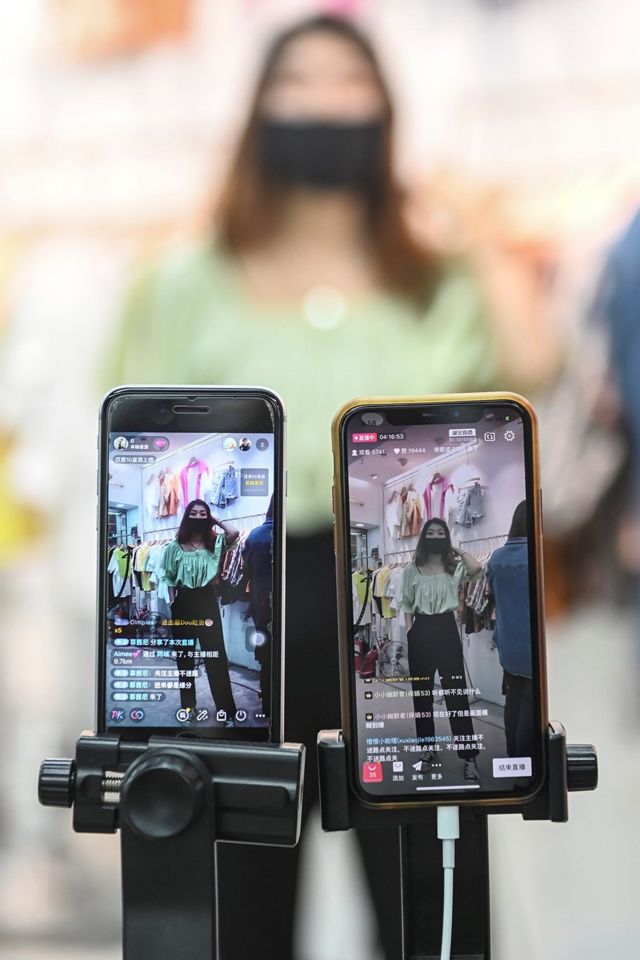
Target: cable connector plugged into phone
{"x": 448, "y": 832}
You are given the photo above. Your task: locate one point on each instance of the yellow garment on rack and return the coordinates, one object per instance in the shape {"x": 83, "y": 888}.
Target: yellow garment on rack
{"x": 141, "y": 566}
{"x": 380, "y": 581}
{"x": 360, "y": 583}
{"x": 380, "y": 590}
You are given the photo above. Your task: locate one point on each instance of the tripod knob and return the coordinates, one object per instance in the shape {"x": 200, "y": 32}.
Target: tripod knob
{"x": 57, "y": 783}
{"x": 582, "y": 767}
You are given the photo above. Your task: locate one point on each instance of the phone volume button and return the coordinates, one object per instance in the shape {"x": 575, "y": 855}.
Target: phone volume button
{"x": 333, "y": 500}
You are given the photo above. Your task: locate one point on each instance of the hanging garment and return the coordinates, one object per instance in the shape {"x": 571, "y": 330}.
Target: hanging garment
{"x": 476, "y": 503}
{"x": 224, "y": 487}
{"x": 435, "y": 495}
{"x": 169, "y": 495}
{"x": 151, "y": 496}
{"x": 139, "y": 566}
{"x": 393, "y": 516}
{"x": 380, "y": 593}
{"x": 417, "y": 514}
{"x": 470, "y": 507}
{"x": 412, "y": 514}
{"x": 119, "y": 566}
{"x": 156, "y": 572}
{"x": 191, "y": 480}
{"x": 361, "y": 595}
{"x": 477, "y": 594}
{"x": 233, "y": 584}
{"x": 394, "y": 588}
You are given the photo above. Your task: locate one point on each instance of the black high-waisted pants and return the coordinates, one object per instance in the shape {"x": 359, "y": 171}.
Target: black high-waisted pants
{"x": 434, "y": 644}
{"x": 201, "y": 603}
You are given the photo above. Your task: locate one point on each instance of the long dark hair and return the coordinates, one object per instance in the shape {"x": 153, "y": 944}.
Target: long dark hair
{"x": 519, "y": 521}
{"x": 250, "y": 200}
{"x": 183, "y": 534}
{"x": 422, "y": 550}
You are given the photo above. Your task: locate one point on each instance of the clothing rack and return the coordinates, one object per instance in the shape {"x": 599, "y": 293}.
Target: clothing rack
{"x": 397, "y": 553}
{"x": 498, "y": 536}
{"x": 247, "y": 516}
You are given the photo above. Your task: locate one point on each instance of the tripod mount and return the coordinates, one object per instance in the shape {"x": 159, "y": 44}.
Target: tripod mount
{"x": 172, "y": 799}
{"x": 417, "y": 888}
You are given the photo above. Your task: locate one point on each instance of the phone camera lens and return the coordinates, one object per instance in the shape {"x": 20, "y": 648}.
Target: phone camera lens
{"x": 164, "y": 413}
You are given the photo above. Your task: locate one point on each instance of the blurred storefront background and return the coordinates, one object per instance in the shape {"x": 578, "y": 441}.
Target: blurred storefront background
{"x": 519, "y": 145}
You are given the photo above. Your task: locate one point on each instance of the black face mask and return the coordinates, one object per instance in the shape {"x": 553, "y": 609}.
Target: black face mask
{"x": 321, "y": 155}
{"x": 437, "y": 546}
{"x": 198, "y": 526}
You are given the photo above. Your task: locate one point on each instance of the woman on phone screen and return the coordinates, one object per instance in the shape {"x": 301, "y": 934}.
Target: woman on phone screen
{"x": 191, "y": 563}
{"x": 430, "y": 597}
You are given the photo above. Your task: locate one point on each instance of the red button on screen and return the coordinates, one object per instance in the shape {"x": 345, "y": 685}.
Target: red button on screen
{"x": 372, "y": 772}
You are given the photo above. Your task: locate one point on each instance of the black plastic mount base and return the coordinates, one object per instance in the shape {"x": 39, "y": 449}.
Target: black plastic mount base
{"x": 419, "y": 882}
{"x": 172, "y": 799}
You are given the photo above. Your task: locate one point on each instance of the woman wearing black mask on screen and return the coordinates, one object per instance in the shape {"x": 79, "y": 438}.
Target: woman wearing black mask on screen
{"x": 190, "y": 564}
{"x": 430, "y": 597}
{"x": 315, "y": 287}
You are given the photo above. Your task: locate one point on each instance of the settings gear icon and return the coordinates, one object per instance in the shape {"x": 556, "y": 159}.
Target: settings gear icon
{"x": 509, "y": 435}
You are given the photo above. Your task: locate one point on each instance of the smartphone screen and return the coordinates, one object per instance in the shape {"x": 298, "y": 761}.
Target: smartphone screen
{"x": 190, "y": 618}
{"x": 442, "y": 594}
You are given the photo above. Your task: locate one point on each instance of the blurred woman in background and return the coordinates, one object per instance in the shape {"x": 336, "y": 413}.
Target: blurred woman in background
{"x": 314, "y": 286}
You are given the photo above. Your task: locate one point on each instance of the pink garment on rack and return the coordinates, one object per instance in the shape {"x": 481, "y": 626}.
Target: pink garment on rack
{"x": 432, "y": 488}
{"x": 190, "y": 480}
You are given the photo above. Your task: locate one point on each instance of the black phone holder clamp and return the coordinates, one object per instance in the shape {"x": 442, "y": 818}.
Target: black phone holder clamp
{"x": 172, "y": 799}
{"x": 418, "y": 887}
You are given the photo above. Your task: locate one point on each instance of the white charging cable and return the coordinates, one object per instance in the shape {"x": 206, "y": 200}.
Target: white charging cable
{"x": 448, "y": 832}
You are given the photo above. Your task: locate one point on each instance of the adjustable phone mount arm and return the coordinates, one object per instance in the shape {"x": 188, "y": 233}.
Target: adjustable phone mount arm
{"x": 419, "y": 900}
{"x": 172, "y": 799}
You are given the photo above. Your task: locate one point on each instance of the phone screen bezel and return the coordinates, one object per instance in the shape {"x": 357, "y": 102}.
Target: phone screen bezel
{"x": 233, "y": 410}
{"x": 440, "y": 411}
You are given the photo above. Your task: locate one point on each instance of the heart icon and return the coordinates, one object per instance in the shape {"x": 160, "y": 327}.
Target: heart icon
{"x": 396, "y": 450}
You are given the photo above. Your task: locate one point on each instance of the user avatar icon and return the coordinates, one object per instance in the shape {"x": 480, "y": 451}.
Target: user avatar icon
{"x": 229, "y": 443}
{"x": 245, "y": 444}
{"x": 120, "y": 443}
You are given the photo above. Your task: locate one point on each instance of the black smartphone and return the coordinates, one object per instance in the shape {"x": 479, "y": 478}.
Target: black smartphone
{"x": 439, "y": 566}
{"x": 190, "y": 569}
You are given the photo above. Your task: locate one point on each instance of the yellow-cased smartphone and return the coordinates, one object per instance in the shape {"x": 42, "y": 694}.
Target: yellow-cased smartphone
{"x": 438, "y": 536}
